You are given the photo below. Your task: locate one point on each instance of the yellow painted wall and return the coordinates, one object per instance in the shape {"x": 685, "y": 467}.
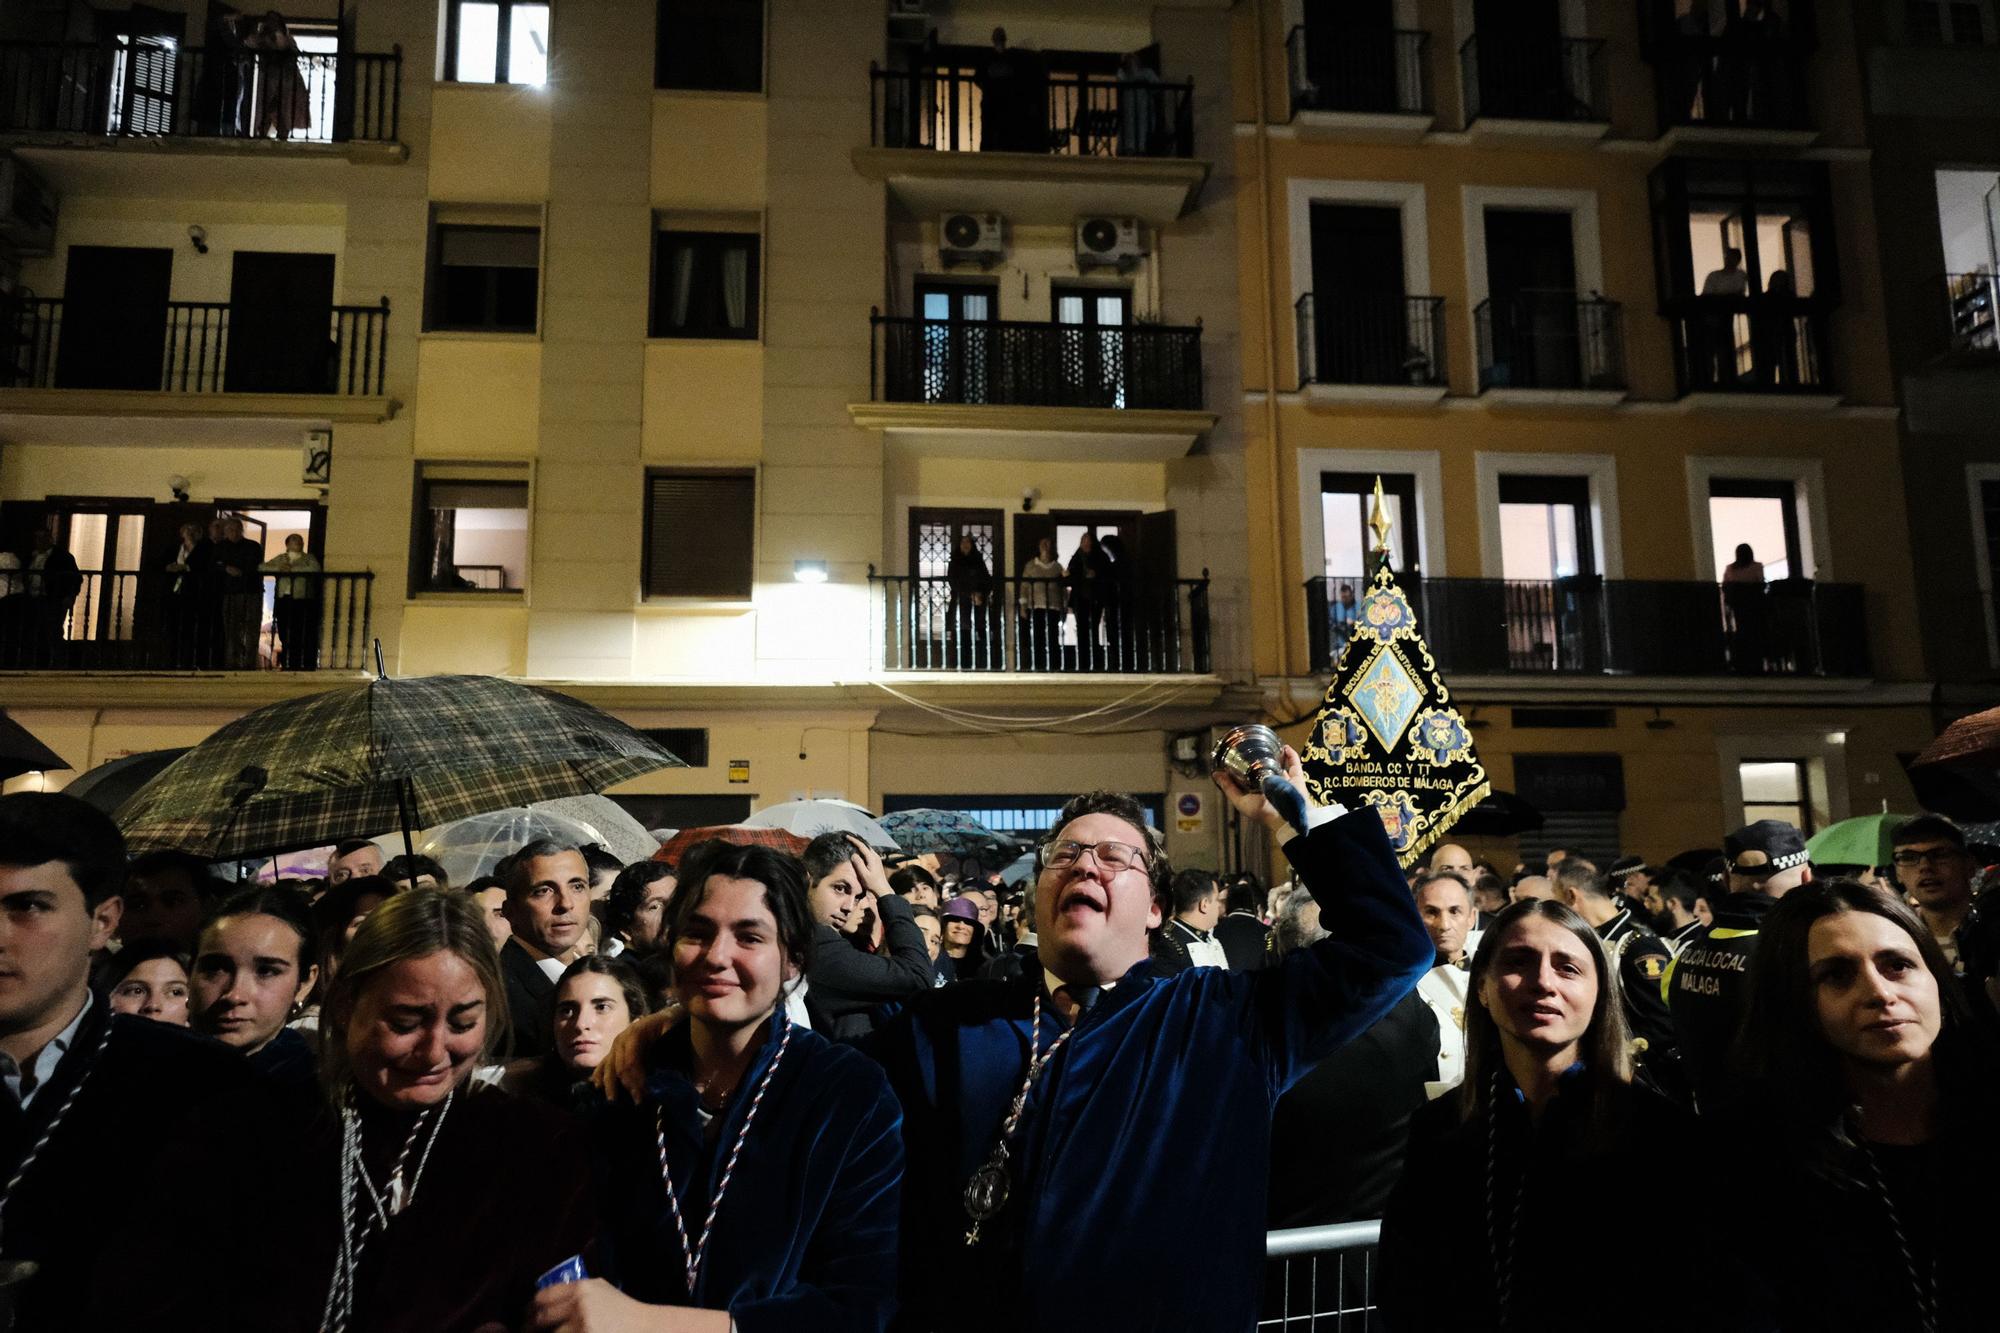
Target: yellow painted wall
{"x": 708, "y": 151}
{"x": 1037, "y": 257}
{"x": 834, "y": 744}
{"x": 1003, "y": 765}
{"x": 230, "y": 227}
{"x": 478, "y": 398}
{"x": 438, "y": 637}
{"x": 35, "y": 471}
{"x": 719, "y": 645}
{"x": 489, "y": 144}
{"x": 704, "y": 401}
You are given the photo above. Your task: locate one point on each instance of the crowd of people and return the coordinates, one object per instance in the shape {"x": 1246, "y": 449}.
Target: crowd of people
{"x": 757, "y": 1090}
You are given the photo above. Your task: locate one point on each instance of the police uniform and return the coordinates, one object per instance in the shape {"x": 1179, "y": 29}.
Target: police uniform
{"x": 1640, "y": 959}
{"x": 1707, "y": 989}
{"x": 1680, "y": 938}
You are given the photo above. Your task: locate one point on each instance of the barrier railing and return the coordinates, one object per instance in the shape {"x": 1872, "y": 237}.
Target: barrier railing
{"x": 1550, "y": 340}
{"x": 1534, "y": 78}
{"x": 1750, "y": 344}
{"x": 1373, "y": 340}
{"x": 1022, "y": 624}
{"x": 1320, "y": 1279}
{"x": 1026, "y": 364}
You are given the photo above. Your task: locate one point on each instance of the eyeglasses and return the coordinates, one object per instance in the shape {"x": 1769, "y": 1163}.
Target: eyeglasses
{"x": 1110, "y": 855}
{"x": 1930, "y": 856}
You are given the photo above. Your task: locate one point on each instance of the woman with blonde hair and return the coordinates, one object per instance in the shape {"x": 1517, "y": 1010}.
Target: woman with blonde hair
{"x": 415, "y": 1200}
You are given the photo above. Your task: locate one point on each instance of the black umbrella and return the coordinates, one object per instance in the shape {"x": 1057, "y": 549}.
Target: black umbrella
{"x": 21, "y": 753}
{"x": 1499, "y": 814}
{"x": 111, "y": 784}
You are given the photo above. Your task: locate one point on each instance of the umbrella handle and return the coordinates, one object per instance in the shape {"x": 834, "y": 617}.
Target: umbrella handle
{"x": 403, "y": 806}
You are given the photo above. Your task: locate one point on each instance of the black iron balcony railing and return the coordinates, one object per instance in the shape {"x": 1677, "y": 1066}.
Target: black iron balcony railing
{"x": 1741, "y": 82}
{"x": 1365, "y": 70}
{"x": 162, "y": 621}
{"x": 1372, "y": 339}
{"x": 1750, "y": 344}
{"x": 1550, "y": 340}
{"x": 153, "y": 89}
{"x": 192, "y": 354}
{"x": 1534, "y": 78}
{"x": 1972, "y": 301}
{"x": 1065, "y": 115}
{"x": 1037, "y": 625}
{"x": 1595, "y": 626}
{"x": 1019, "y": 364}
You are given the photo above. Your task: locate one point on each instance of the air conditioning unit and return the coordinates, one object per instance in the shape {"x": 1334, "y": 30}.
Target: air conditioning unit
{"x": 27, "y": 209}
{"x": 1108, "y": 242}
{"x": 978, "y": 238}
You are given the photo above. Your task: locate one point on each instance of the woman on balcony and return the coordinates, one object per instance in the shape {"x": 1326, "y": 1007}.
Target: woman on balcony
{"x": 297, "y": 604}
{"x": 970, "y": 585}
{"x": 1042, "y": 609}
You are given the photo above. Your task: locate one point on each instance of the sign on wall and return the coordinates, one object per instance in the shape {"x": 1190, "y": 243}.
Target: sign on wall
{"x": 317, "y": 463}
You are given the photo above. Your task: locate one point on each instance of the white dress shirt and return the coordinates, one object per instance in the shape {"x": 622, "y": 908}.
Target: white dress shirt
{"x": 23, "y": 1084}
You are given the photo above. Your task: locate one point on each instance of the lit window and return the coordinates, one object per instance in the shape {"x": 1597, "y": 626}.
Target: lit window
{"x": 1775, "y": 789}
{"x": 497, "y": 41}
{"x": 471, "y": 529}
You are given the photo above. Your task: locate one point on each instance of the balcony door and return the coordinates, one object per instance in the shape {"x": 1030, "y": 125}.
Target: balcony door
{"x": 114, "y": 317}
{"x": 1092, "y": 342}
{"x": 108, "y": 539}
{"x": 945, "y": 635}
{"x": 1347, "y": 500}
{"x": 1531, "y": 287}
{"x": 958, "y": 339}
{"x": 1520, "y": 56}
{"x": 145, "y": 53}
{"x": 280, "y": 323}
{"x": 1351, "y": 54}
{"x": 1762, "y": 516}
{"x": 1548, "y": 558}
{"x": 1360, "y": 330}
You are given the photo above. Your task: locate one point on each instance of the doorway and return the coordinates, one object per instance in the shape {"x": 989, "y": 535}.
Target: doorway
{"x": 1548, "y": 559}
{"x": 1760, "y": 515}
{"x": 280, "y": 322}
{"x": 948, "y": 633}
{"x": 107, "y": 539}
{"x": 1351, "y": 55}
{"x": 957, "y": 331}
{"x": 1360, "y": 324}
{"x": 1531, "y": 300}
{"x": 1520, "y": 59}
{"x": 1093, "y": 342}
{"x": 114, "y": 317}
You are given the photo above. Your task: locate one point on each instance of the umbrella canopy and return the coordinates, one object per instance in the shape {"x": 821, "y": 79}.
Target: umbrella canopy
{"x": 1974, "y": 739}
{"x": 361, "y": 761}
{"x": 1498, "y": 814}
{"x": 952, "y": 831}
{"x": 1861, "y": 841}
{"x": 21, "y": 753}
{"x": 1020, "y": 869}
{"x": 809, "y": 819}
{"x": 115, "y": 782}
{"x": 610, "y": 824}
{"x": 743, "y": 835}
{"x": 470, "y": 847}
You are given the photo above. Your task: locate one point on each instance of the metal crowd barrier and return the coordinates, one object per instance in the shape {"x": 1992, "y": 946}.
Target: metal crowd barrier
{"x": 1321, "y": 1279}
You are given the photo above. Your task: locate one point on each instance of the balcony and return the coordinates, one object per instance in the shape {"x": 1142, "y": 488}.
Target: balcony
{"x": 1730, "y": 88}
{"x": 1591, "y": 626}
{"x": 161, "y": 622}
{"x": 1551, "y": 345}
{"x": 945, "y": 139}
{"x": 1368, "y": 85}
{"x": 1023, "y": 390}
{"x": 1971, "y": 303}
{"x": 1748, "y": 347}
{"x": 180, "y": 360}
{"x": 1535, "y": 90}
{"x": 1367, "y": 347}
{"x": 1028, "y": 625}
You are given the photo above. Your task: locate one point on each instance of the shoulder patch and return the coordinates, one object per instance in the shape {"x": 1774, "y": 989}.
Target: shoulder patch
{"x": 1651, "y": 966}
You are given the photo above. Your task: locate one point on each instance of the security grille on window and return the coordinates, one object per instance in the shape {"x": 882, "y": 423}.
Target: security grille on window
{"x": 700, "y": 533}
{"x": 704, "y": 284}
{"x": 710, "y": 45}
{"x": 484, "y": 278}
{"x": 497, "y": 41}
{"x": 471, "y": 529}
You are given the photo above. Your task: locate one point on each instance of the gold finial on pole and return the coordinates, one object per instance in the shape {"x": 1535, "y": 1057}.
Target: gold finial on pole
{"x": 1378, "y": 523}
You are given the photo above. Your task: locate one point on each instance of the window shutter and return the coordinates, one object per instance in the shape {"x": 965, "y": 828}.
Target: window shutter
{"x": 700, "y": 533}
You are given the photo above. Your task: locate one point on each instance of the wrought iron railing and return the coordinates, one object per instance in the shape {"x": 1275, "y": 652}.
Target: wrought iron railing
{"x": 1589, "y": 625}
{"x": 1021, "y": 624}
{"x": 1065, "y": 115}
{"x": 1371, "y": 339}
{"x": 194, "y": 355}
{"x": 1737, "y": 81}
{"x": 1550, "y": 340}
{"x": 167, "y": 621}
{"x": 1750, "y": 344}
{"x": 1023, "y": 364}
{"x": 1364, "y": 70}
{"x": 1972, "y": 302}
{"x": 1534, "y": 78}
{"x": 1320, "y": 1279}
{"x": 152, "y": 89}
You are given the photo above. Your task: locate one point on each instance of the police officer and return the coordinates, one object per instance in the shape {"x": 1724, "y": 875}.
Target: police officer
{"x": 1707, "y": 985}
{"x": 1635, "y": 953}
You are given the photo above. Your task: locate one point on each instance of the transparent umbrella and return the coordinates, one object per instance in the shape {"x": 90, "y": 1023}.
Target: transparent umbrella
{"x": 470, "y": 847}
{"x": 811, "y": 818}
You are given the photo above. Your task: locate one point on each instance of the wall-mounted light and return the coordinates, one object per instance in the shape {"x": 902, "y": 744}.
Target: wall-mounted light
{"x": 809, "y": 571}
{"x": 179, "y": 486}
{"x": 1658, "y": 723}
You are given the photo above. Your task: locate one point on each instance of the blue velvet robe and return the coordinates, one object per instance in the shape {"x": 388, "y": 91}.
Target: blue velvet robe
{"x": 806, "y": 1238}
{"x": 1139, "y": 1172}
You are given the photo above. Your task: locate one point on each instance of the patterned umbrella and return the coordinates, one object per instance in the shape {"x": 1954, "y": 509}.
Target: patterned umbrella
{"x": 390, "y": 754}
{"x": 743, "y": 835}
{"x": 811, "y": 818}
{"x": 952, "y": 831}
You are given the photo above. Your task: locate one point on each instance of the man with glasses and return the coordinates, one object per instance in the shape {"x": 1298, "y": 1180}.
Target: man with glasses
{"x": 1934, "y": 868}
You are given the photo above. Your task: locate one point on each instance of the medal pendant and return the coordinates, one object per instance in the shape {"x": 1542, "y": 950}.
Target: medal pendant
{"x": 395, "y": 1201}
{"x": 985, "y": 1196}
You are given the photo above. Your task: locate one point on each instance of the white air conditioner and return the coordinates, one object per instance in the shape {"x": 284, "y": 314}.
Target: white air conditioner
{"x": 27, "y": 209}
{"x": 979, "y": 238}
{"x": 1108, "y": 242}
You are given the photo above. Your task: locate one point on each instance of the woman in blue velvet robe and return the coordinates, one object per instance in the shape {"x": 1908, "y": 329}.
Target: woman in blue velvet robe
{"x": 804, "y": 1235}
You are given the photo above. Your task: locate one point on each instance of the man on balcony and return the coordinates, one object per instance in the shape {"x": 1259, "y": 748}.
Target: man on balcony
{"x": 236, "y": 560}
{"x": 53, "y": 584}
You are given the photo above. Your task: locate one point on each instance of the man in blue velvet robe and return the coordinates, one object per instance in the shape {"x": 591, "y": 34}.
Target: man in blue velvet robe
{"x": 1152, "y": 1125}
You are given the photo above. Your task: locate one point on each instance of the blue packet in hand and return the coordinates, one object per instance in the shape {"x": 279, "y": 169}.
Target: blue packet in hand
{"x": 569, "y": 1270}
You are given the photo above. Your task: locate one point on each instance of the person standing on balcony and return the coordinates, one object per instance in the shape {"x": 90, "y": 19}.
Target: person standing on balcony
{"x": 1010, "y": 120}
{"x": 970, "y": 584}
{"x": 1119, "y": 631}
{"x": 54, "y": 581}
{"x": 1743, "y": 599}
{"x": 1089, "y": 588}
{"x": 1777, "y": 347}
{"x": 1042, "y": 613}
{"x": 1138, "y": 106}
{"x": 235, "y": 562}
{"x": 297, "y": 601}
{"x": 283, "y": 104}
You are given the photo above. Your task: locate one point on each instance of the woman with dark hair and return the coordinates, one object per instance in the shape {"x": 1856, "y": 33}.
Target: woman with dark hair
{"x": 1547, "y": 1123}
{"x": 799, "y": 1231}
{"x": 1875, "y": 1099}
{"x": 150, "y": 980}
{"x": 596, "y": 999}
{"x": 256, "y": 962}
{"x": 412, "y": 1199}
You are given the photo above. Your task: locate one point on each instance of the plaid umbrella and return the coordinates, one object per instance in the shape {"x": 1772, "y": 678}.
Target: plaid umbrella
{"x": 363, "y": 761}
{"x": 21, "y": 753}
{"x": 952, "y": 831}
{"x": 743, "y": 835}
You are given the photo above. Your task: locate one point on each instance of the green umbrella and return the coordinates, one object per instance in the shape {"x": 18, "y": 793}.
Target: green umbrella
{"x": 369, "y": 759}
{"x": 1861, "y": 841}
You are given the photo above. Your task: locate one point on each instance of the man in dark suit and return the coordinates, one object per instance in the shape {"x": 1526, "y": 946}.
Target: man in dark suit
{"x": 53, "y": 582}
{"x": 548, "y": 901}
{"x": 1246, "y": 940}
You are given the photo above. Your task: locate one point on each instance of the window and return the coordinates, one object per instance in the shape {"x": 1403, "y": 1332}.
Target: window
{"x": 1545, "y": 528}
{"x": 484, "y": 279}
{"x": 710, "y": 45}
{"x": 1347, "y": 501}
{"x": 1968, "y": 206}
{"x": 704, "y": 284}
{"x": 1944, "y": 22}
{"x": 1775, "y": 789}
{"x": 1762, "y": 515}
{"x": 471, "y": 528}
{"x": 497, "y": 41}
{"x": 700, "y": 533}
